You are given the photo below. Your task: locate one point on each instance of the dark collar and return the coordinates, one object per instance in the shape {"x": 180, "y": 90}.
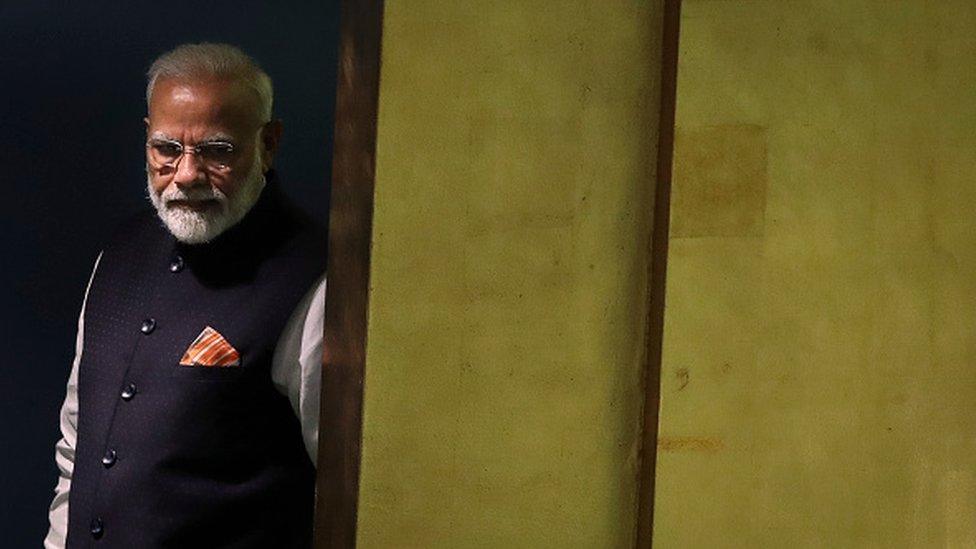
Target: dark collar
{"x": 236, "y": 253}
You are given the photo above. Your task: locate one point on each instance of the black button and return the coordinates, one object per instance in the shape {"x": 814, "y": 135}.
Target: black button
{"x": 109, "y": 458}
{"x": 129, "y": 391}
{"x": 176, "y": 265}
{"x": 148, "y": 326}
{"x": 97, "y": 528}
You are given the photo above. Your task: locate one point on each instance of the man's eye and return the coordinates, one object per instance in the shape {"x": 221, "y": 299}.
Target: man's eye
{"x": 167, "y": 150}
{"x": 216, "y": 152}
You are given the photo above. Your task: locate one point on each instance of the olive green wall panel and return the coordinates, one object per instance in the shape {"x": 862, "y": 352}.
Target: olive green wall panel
{"x": 818, "y": 386}
{"x": 515, "y": 169}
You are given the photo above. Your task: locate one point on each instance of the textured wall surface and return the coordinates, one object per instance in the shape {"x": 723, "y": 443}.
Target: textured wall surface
{"x": 514, "y": 173}
{"x": 819, "y": 387}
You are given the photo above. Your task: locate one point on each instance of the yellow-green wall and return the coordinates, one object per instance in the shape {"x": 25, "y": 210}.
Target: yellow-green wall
{"x": 515, "y": 165}
{"x": 819, "y": 380}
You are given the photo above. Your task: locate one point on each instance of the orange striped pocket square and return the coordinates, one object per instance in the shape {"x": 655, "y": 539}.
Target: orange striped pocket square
{"x": 211, "y": 349}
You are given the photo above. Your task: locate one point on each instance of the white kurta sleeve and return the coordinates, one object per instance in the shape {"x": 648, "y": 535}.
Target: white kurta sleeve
{"x": 296, "y": 369}
{"x": 64, "y": 449}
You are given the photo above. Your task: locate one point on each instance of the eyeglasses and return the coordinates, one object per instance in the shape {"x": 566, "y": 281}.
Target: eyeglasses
{"x": 166, "y": 153}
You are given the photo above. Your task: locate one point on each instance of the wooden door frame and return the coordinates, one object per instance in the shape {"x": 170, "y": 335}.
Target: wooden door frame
{"x": 658, "y": 270}
{"x": 347, "y": 297}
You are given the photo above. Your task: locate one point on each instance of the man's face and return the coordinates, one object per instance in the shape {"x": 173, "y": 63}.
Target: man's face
{"x": 196, "y": 196}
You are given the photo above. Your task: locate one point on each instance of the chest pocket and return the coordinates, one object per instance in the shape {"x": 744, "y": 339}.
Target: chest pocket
{"x": 207, "y": 373}
{"x": 210, "y": 357}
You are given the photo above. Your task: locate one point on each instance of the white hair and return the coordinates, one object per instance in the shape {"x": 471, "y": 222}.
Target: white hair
{"x": 195, "y": 61}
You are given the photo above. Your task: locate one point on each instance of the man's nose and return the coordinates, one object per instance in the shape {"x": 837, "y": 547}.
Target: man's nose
{"x": 189, "y": 171}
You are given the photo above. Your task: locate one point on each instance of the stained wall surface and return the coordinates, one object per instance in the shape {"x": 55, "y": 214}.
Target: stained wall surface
{"x": 515, "y": 164}
{"x": 818, "y": 387}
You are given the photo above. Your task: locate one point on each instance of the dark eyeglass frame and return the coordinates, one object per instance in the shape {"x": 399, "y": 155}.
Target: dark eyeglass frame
{"x": 215, "y": 155}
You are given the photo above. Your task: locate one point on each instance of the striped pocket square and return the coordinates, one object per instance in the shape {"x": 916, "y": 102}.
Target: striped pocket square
{"x": 211, "y": 349}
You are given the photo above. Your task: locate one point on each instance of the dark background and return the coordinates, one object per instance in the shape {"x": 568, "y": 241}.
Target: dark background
{"x": 72, "y": 87}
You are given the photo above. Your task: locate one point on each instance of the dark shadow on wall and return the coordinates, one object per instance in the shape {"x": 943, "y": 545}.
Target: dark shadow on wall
{"x": 72, "y": 165}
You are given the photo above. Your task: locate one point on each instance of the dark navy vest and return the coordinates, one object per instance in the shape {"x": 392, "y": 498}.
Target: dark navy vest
{"x": 179, "y": 456}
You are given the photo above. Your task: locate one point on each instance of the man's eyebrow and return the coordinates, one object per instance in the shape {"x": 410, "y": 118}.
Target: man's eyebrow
{"x": 221, "y": 137}
{"x": 162, "y": 137}
{"x": 212, "y": 138}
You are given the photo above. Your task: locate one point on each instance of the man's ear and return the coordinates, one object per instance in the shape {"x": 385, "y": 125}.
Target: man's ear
{"x": 270, "y": 139}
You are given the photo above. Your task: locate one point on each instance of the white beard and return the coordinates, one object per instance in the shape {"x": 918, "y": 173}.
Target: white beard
{"x": 196, "y": 227}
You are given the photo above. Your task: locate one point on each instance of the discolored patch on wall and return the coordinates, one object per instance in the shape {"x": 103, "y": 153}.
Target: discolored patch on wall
{"x": 719, "y": 186}
{"x": 689, "y": 444}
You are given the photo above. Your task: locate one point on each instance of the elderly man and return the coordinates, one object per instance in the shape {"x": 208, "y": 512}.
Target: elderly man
{"x": 191, "y": 415}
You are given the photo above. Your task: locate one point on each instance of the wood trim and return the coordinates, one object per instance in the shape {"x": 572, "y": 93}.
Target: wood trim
{"x": 658, "y": 270}
{"x": 347, "y": 298}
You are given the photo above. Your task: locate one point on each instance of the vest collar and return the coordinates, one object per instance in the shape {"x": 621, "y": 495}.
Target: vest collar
{"x": 239, "y": 250}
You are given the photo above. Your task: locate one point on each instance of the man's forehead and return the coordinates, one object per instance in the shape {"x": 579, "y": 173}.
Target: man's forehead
{"x": 218, "y": 96}
{"x": 181, "y": 92}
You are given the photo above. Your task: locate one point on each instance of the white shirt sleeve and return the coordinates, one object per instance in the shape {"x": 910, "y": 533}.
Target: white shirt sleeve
{"x": 64, "y": 449}
{"x": 296, "y": 369}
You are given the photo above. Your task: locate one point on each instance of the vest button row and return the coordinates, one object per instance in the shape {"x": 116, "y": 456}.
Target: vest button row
{"x": 109, "y": 459}
{"x": 97, "y": 528}
{"x": 177, "y": 264}
{"x": 129, "y": 392}
{"x": 148, "y": 326}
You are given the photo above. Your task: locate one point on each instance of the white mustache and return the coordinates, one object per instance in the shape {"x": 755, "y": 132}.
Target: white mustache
{"x": 174, "y": 192}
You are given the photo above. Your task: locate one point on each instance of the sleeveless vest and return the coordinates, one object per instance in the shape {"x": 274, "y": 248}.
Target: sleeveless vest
{"x": 193, "y": 456}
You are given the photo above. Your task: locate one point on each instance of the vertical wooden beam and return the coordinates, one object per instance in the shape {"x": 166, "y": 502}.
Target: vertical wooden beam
{"x": 658, "y": 268}
{"x": 347, "y": 298}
